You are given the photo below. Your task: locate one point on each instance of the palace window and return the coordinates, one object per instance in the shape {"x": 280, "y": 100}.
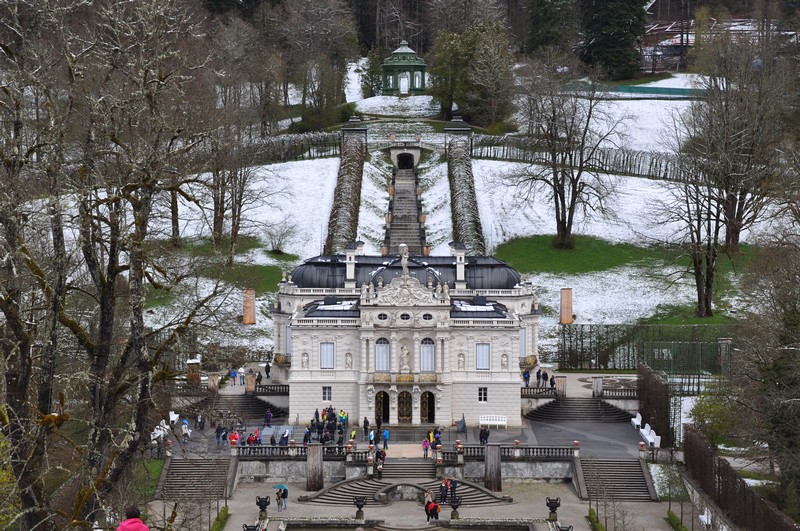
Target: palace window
{"x": 483, "y": 394}
{"x": 428, "y": 355}
{"x": 327, "y": 393}
{"x": 326, "y": 356}
{"x": 482, "y": 356}
{"x": 382, "y": 354}
{"x": 405, "y": 316}
{"x": 427, "y": 317}
{"x": 382, "y": 317}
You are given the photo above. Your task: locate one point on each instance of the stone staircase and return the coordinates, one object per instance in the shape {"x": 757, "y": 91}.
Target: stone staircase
{"x": 198, "y": 479}
{"x": 246, "y": 407}
{"x": 418, "y": 472}
{"x": 618, "y": 480}
{"x": 405, "y": 226}
{"x": 578, "y": 409}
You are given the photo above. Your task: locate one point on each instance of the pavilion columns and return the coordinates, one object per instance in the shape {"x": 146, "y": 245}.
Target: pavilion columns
{"x": 364, "y": 355}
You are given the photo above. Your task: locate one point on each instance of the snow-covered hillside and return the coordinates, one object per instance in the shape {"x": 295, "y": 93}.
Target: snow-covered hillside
{"x": 616, "y": 296}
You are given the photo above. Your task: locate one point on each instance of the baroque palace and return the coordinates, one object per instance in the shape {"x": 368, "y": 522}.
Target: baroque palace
{"x": 410, "y": 340}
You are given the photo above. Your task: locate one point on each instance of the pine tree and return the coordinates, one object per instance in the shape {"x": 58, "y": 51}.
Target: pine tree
{"x": 611, "y": 31}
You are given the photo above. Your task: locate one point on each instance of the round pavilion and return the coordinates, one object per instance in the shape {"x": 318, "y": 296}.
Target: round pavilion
{"x": 403, "y": 73}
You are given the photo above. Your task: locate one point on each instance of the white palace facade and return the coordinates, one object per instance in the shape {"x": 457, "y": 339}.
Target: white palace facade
{"x": 410, "y": 340}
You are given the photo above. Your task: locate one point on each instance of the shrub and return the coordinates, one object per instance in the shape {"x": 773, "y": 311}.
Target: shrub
{"x": 594, "y": 521}
{"x": 675, "y": 522}
{"x": 222, "y": 518}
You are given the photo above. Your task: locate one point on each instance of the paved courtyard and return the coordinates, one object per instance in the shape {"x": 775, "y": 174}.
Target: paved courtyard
{"x": 614, "y": 440}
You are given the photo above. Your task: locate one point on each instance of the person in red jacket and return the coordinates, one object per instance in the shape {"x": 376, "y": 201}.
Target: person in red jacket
{"x": 133, "y": 521}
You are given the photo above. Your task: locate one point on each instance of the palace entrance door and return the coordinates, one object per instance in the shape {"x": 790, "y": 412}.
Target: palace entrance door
{"x": 427, "y": 408}
{"x": 382, "y": 407}
{"x": 404, "y": 407}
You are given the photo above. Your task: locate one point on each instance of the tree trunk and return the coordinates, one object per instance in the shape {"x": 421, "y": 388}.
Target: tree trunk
{"x": 173, "y": 210}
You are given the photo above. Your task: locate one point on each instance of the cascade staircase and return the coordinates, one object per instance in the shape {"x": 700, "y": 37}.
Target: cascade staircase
{"x": 246, "y": 407}
{"x": 578, "y": 409}
{"x": 402, "y": 471}
{"x": 618, "y": 480}
{"x": 405, "y": 226}
{"x": 199, "y": 479}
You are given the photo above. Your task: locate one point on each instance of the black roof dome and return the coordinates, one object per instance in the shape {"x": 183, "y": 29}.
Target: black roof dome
{"x": 481, "y": 272}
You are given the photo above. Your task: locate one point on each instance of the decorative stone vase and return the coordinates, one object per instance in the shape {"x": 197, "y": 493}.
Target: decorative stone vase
{"x": 460, "y": 448}
{"x": 292, "y": 442}
{"x": 349, "y": 448}
{"x": 517, "y": 442}
{"x": 371, "y": 448}
{"x": 439, "y": 460}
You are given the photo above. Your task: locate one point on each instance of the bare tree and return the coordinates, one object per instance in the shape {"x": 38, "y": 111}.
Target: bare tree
{"x": 457, "y": 16}
{"x": 92, "y": 92}
{"x": 737, "y": 126}
{"x": 568, "y": 125}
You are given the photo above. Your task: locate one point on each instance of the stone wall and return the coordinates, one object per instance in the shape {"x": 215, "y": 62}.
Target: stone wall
{"x": 503, "y": 399}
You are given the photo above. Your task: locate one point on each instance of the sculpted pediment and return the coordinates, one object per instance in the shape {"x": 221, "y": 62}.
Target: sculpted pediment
{"x": 405, "y": 291}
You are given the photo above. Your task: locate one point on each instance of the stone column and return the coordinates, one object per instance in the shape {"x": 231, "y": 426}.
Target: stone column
{"x": 493, "y": 477}
{"x": 364, "y": 355}
{"x": 416, "y": 350}
{"x": 393, "y": 354}
{"x": 446, "y": 356}
{"x": 315, "y": 478}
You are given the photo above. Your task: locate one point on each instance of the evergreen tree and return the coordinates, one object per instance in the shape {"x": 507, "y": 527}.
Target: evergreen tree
{"x": 611, "y": 30}
{"x": 550, "y": 23}
{"x": 372, "y": 75}
{"x": 474, "y": 71}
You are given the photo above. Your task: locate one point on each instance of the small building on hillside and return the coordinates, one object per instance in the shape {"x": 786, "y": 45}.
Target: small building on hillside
{"x": 403, "y": 73}
{"x": 407, "y": 339}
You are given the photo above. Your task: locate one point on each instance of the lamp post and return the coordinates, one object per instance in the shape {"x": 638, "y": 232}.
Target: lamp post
{"x": 262, "y": 503}
{"x": 455, "y": 503}
{"x": 553, "y": 505}
{"x": 359, "y": 502}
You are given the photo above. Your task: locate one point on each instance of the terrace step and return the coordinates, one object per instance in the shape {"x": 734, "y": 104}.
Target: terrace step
{"x": 579, "y": 409}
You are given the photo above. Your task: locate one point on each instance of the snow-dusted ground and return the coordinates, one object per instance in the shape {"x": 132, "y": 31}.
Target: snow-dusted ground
{"x": 617, "y": 296}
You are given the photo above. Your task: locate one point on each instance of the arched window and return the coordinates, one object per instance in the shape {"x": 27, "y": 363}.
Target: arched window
{"x": 428, "y": 355}
{"x": 382, "y": 354}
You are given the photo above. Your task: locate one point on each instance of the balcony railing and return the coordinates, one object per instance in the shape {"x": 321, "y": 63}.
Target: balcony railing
{"x": 509, "y": 452}
{"x": 272, "y": 390}
{"x": 537, "y": 392}
{"x": 619, "y": 393}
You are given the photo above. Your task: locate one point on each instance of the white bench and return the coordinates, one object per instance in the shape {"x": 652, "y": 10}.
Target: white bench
{"x": 648, "y": 434}
{"x": 493, "y": 420}
{"x": 636, "y": 421}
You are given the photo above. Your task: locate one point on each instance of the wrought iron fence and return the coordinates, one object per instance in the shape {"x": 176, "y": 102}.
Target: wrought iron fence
{"x": 675, "y": 349}
{"x": 717, "y": 478}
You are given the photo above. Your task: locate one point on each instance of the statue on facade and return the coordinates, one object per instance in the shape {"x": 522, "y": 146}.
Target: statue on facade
{"x": 504, "y": 361}
{"x": 304, "y": 360}
{"x": 404, "y": 259}
{"x": 461, "y": 362}
{"x": 404, "y": 355}
{"x": 348, "y": 361}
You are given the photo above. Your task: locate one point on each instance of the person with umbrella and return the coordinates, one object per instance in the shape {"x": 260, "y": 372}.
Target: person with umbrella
{"x": 282, "y": 496}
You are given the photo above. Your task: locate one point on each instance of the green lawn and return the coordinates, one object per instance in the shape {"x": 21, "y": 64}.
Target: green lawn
{"x": 264, "y": 279}
{"x": 536, "y": 254}
{"x": 146, "y": 473}
{"x": 204, "y": 247}
{"x": 281, "y": 256}
{"x": 157, "y": 298}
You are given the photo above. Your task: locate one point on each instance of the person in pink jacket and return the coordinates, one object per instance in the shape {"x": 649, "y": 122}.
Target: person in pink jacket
{"x": 133, "y": 521}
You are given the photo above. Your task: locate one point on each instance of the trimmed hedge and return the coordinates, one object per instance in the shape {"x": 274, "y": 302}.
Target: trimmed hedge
{"x": 675, "y": 522}
{"x": 221, "y": 520}
{"x": 594, "y": 521}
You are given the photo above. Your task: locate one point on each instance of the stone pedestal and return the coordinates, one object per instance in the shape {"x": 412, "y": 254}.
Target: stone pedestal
{"x": 193, "y": 372}
{"x": 493, "y": 477}
{"x": 315, "y": 477}
{"x": 250, "y": 383}
{"x": 249, "y": 310}
{"x": 213, "y": 383}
